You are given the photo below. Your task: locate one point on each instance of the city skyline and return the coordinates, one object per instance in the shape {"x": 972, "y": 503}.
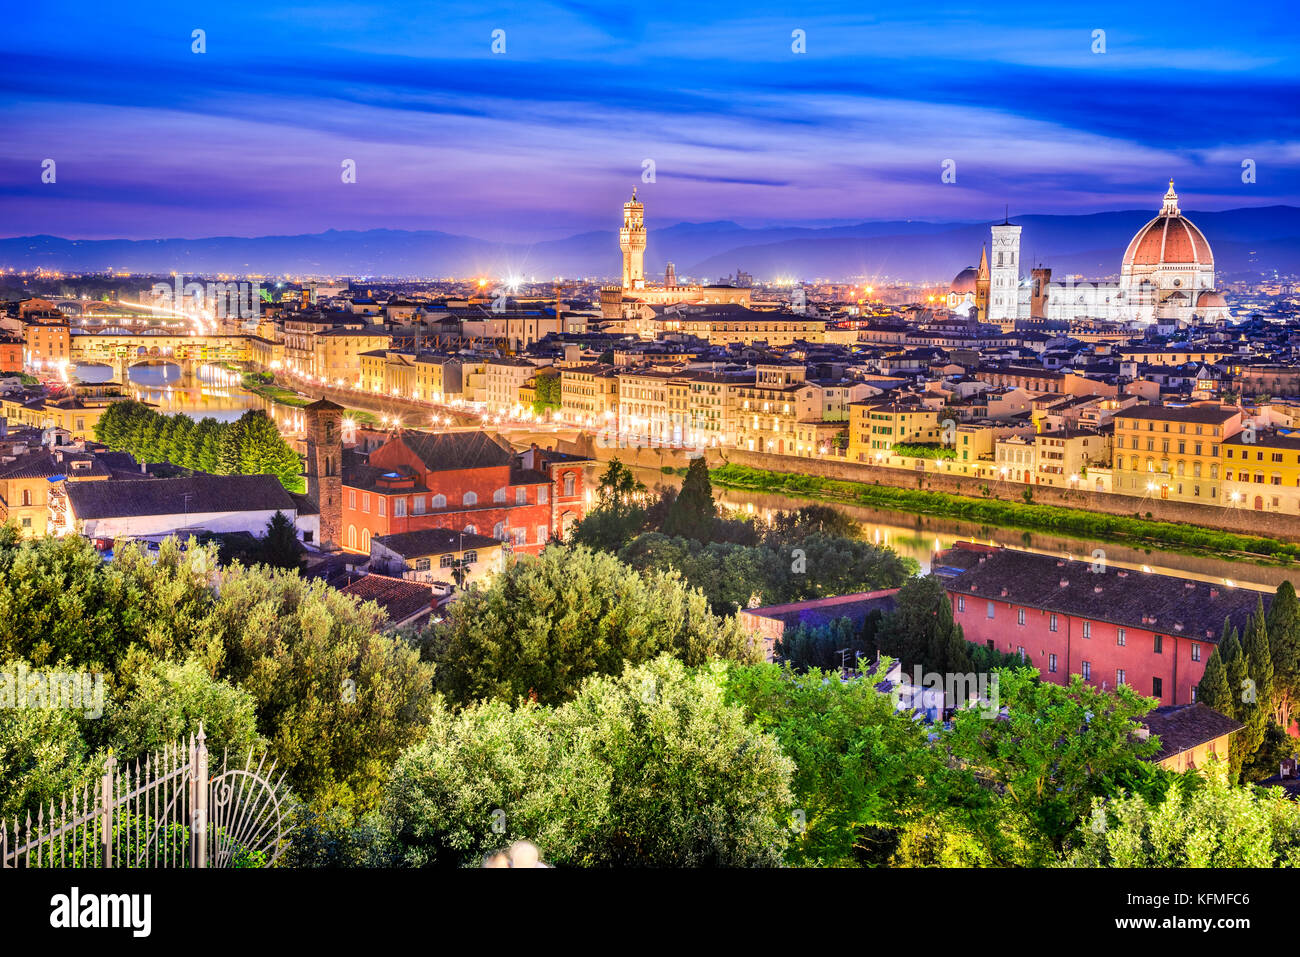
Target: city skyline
{"x": 542, "y": 140}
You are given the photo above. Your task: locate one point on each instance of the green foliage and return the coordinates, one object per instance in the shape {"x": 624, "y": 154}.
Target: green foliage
{"x": 550, "y": 621}
{"x": 331, "y": 837}
{"x": 864, "y": 773}
{"x": 250, "y": 446}
{"x": 619, "y": 487}
{"x": 923, "y": 450}
{"x": 732, "y": 575}
{"x": 1201, "y": 823}
{"x": 693, "y": 511}
{"x": 170, "y": 701}
{"x": 547, "y": 393}
{"x": 43, "y": 755}
{"x": 1056, "y": 749}
{"x": 651, "y": 768}
{"x": 279, "y": 546}
{"x": 828, "y": 646}
{"x": 1075, "y": 522}
{"x": 1284, "y": 640}
{"x": 337, "y": 699}
{"x": 921, "y": 630}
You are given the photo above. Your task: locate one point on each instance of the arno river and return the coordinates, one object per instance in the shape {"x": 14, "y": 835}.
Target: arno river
{"x": 217, "y": 393}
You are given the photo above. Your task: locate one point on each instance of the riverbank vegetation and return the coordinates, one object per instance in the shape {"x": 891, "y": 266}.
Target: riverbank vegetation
{"x": 1074, "y": 522}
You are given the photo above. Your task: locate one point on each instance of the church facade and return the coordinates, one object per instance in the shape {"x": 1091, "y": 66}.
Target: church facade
{"x": 1167, "y": 274}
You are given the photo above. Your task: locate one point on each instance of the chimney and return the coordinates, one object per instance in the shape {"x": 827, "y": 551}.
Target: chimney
{"x": 1065, "y": 582}
{"x": 1214, "y": 593}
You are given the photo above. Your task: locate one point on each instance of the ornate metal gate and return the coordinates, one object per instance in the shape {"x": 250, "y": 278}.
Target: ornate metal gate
{"x": 164, "y": 811}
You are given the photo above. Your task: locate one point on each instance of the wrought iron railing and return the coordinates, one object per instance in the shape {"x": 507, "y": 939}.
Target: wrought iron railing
{"x": 164, "y": 810}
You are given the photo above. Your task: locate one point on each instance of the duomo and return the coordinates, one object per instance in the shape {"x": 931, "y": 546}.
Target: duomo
{"x": 1167, "y": 274}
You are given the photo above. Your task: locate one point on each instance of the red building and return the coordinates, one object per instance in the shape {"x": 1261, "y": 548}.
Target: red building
{"x": 1110, "y": 625}
{"x": 11, "y": 354}
{"x": 462, "y": 481}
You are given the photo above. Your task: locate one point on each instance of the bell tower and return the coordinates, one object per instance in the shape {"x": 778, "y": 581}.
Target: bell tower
{"x": 982, "y": 287}
{"x": 631, "y": 239}
{"x": 323, "y": 421}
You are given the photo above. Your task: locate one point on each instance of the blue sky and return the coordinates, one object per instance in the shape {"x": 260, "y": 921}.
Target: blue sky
{"x": 547, "y": 138}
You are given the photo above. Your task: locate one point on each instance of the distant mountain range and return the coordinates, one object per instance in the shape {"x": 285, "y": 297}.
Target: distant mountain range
{"x": 1248, "y": 239}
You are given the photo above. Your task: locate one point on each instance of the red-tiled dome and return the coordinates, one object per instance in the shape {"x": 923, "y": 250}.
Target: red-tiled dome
{"x": 1210, "y": 300}
{"x": 1169, "y": 239}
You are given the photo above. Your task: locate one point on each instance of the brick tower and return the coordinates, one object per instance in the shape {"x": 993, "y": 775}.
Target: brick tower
{"x": 323, "y": 421}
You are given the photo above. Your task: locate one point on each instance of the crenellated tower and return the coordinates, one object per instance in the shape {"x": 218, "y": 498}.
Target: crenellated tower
{"x": 631, "y": 239}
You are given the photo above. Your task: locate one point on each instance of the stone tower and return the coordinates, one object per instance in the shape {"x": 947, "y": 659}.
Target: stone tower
{"x": 631, "y": 239}
{"x": 323, "y": 425}
{"x": 1004, "y": 291}
{"x": 1042, "y": 277}
{"x": 982, "y": 287}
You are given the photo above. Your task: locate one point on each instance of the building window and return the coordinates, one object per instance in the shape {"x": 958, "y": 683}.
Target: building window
{"x": 568, "y": 483}
{"x": 1159, "y": 644}
{"x": 446, "y": 561}
{"x": 439, "y": 501}
{"x": 352, "y": 537}
{"x": 471, "y": 529}
{"x": 521, "y": 536}
{"x": 543, "y": 533}
{"x": 417, "y": 504}
{"x": 989, "y": 612}
{"x": 1020, "y": 616}
{"x": 1087, "y": 671}
{"x": 399, "y": 508}
{"x": 352, "y": 499}
{"x": 1051, "y": 623}
{"x": 470, "y": 498}
{"x": 499, "y": 531}
{"x": 1020, "y": 650}
{"x": 1121, "y": 636}
{"x": 1051, "y": 663}
{"x": 423, "y": 564}
{"x": 961, "y": 602}
{"x": 543, "y": 495}
{"x": 365, "y": 539}
{"x": 1196, "y": 651}
{"x": 1157, "y": 688}
{"x": 1087, "y": 629}
{"x": 499, "y": 495}
{"x": 365, "y": 501}
{"x": 383, "y": 504}
{"x": 470, "y": 557}
{"x": 27, "y": 496}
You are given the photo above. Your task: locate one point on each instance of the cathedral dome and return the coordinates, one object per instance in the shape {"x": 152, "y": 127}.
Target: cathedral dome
{"x": 964, "y": 281}
{"x": 1169, "y": 239}
{"x": 1211, "y": 300}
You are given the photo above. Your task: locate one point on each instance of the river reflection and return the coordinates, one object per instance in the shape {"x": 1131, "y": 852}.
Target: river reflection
{"x": 920, "y": 536}
{"x": 214, "y": 391}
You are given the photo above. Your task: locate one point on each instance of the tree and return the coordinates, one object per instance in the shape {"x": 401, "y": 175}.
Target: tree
{"x": 694, "y": 510}
{"x": 548, "y": 393}
{"x": 920, "y": 631}
{"x": 619, "y": 487}
{"x": 279, "y": 546}
{"x": 649, "y": 768}
{"x": 205, "y": 441}
{"x": 43, "y": 755}
{"x": 1056, "y": 749}
{"x": 170, "y": 701}
{"x": 263, "y": 451}
{"x": 1259, "y": 703}
{"x": 1200, "y": 823}
{"x": 864, "y": 772}
{"x": 549, "y": 621}
{"x": 1213, "y": 691}
{"x": 337, "y": 699}
{"x": 1284, "y": 640}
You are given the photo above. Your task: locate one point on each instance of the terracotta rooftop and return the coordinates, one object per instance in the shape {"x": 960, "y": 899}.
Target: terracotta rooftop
{"x": 1182, "y": 727}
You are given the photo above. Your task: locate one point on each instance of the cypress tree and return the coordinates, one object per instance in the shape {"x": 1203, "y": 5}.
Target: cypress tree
{"x": 693, "y": 512}
{"x": 1284, "y": 640}
{"x": 1213, "y": 690}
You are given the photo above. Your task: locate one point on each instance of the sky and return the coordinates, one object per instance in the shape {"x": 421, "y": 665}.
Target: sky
{"x": 547, "y": 138}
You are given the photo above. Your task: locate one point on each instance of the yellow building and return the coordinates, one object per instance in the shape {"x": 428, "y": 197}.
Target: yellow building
{"x": 77, "y": 415}
{"x": 589, "y": 396}
{"x": 767, "y": 412}
{"x": 643, "y": 406}
{"x": 1173, "y": 452}
{"x": 1261, "y": 471}
{"x": 876, "y": 427}
{"x": 26, "y": 483}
